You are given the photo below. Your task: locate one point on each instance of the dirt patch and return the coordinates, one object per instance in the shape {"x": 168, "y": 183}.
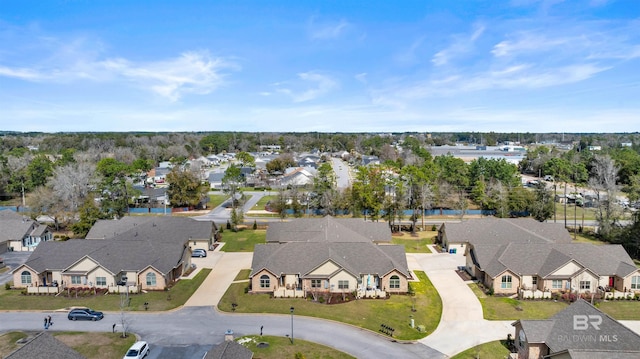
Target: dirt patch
{"x": 397, "y": 234}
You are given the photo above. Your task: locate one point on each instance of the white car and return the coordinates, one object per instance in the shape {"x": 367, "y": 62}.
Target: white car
{"x": 138, "y": 350}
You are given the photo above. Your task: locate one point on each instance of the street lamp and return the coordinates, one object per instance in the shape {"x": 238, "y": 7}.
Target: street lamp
{"x": 291, "y": 309}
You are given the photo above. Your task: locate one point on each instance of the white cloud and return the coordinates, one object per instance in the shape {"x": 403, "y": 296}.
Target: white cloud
{"x": 361, "y": 77}
{"x": 327, "y": 30}
{"x": 323, "y": 85}
{"x": 460, "y": 45}
{"x": 22, "y": 73}
{"x": 192, "y": 72}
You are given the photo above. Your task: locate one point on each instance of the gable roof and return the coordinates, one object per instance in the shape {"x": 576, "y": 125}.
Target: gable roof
{"x": 505, "y": 230}
{"x": 558, "y": 332}
{"x": 229, "y": 350}
{"x": 44, "y": 346}
{"x": 137, "y": 244}
{"x": 357, "y": 258}
{"x": 15, "y": 226}
{"x": 545, "y": 258}
{"x": 160, "y": 228}
{"x": 328, "y": 229}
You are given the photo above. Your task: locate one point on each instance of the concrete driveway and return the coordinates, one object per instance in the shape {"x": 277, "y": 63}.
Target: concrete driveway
{"x": 462, "y": 325}
{"x": 225, "y": 267}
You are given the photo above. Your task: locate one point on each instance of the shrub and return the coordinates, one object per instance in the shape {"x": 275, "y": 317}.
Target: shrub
{"x": 7, "y": 285}
{"x": 255, "y": 225}
{"x": 490, "y": 291}
{"x": 434, "y": 228}
{"x": 299, "y": 356}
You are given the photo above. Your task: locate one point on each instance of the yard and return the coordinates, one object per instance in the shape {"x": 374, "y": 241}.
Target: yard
{"x": 281, "y": 347}
{"x": 414, "y": 243}
{"x": 158, "y": 300}
{"x": 394, "y": 312}
{"x": 621, "y": 309}
{"x": 492, "y": 350}
{"x": 216, "y": 199}
{"x": 90, "y": 345}
{"x": 242, "y": 241}
{"x": 505, "y": 308}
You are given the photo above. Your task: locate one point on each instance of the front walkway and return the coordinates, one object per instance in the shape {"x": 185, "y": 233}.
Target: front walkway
{"x": 462, "y": 325}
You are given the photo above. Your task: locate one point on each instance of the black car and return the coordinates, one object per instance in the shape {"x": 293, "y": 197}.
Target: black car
{"x": 84, "y": 314}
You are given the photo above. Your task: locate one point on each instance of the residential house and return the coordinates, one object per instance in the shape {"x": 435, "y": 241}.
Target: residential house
{"x": 44, "y": 345}
{"x": 143, "y": 253}
{"x": 454, "y": 237}
{"x": 535, "y": 259}
{"x": 308, "y": 161}
{"x": 215, "y": 180}
{"x": 297, "y": 177}
{"x": 329, "y": 255}
{"x": 21, "y": 233}
{"x": 580, "y": 331}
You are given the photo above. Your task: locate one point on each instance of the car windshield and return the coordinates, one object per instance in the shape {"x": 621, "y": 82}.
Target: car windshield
{"x": 132, "y": 353}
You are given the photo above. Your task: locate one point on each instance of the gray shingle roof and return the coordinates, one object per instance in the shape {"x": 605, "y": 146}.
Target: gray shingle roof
{"x": 44, "y": 346}
{"x": 358, "y": 258}
{"x": 558, "y": 333}
{"x": 328, "y": 229}
{"x": 543, "y": 259}
{"x": 15, "y": 226}
{"x": 138, "y": 243}
{"x": 505, "y": 230}
{"x": 229, "y": 350}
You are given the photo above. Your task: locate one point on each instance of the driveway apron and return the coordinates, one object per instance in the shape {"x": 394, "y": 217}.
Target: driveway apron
{"x": 462, "y": 325}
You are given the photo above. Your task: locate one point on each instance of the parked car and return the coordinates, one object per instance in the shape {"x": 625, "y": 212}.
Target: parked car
{"x": 138, "y": 350}
{"x": 199, "y": 253}
{"x": 84, "y": 314}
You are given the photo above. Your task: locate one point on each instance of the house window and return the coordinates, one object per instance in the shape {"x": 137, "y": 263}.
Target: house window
{"x": 635, "y": 282}
{"x": 76, "y": 279}
{"x": 25, "y": 277}
{"x": 585, "y": 285}
{"x": 343, "y": 284}
{"x": 316, "y": 283}
{"x": 534, "y": 281}
{"x": 265, "y": 281}
{"x": 394, "y": 282}
{"x": 556, "y": 284}
{"x": 101, "y": 281}
{"x": 151, "y": 279}
{"x": 506, "y": 282}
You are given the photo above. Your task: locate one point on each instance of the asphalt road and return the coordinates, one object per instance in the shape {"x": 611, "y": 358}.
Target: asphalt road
{"x": 191, "y": 331}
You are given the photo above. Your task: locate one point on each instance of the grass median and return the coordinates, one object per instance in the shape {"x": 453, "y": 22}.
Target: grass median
{"x": 158, "y": 300}
{"x": 394, "y": 312}
{"x": 281, "y": 347}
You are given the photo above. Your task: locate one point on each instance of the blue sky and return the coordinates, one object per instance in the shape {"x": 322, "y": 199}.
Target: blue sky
{"x": 328, "y": 66}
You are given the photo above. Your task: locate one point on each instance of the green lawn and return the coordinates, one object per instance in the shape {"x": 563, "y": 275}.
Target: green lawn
{"x": 504, "y": 308}
{"x": 417, "y": 244}
{"x": 242, "y": 241}
{"x": 97, "y": 345}
{"x": 158, "y": 300}
{"x": 263, "y": 202}
{"x": 367, "y": 313}
{"x": 216, "y": 199}
{"x": 243, "y": 274}
{"x": 491, "y": 350}
{"x": 91, "y": 345}
{"x": 281, "y": 347}
{"x": 621, "y": 309}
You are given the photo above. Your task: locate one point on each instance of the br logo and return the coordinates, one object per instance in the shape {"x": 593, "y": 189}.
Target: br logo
{"x": 582, "y": 322}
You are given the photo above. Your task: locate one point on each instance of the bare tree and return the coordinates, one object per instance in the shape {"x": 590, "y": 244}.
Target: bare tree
{"x": 604, "y": 174}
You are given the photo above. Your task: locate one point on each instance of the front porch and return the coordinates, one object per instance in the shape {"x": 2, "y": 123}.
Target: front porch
{"x": 283, "y": 292}
{"x": 370, "y": 293}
